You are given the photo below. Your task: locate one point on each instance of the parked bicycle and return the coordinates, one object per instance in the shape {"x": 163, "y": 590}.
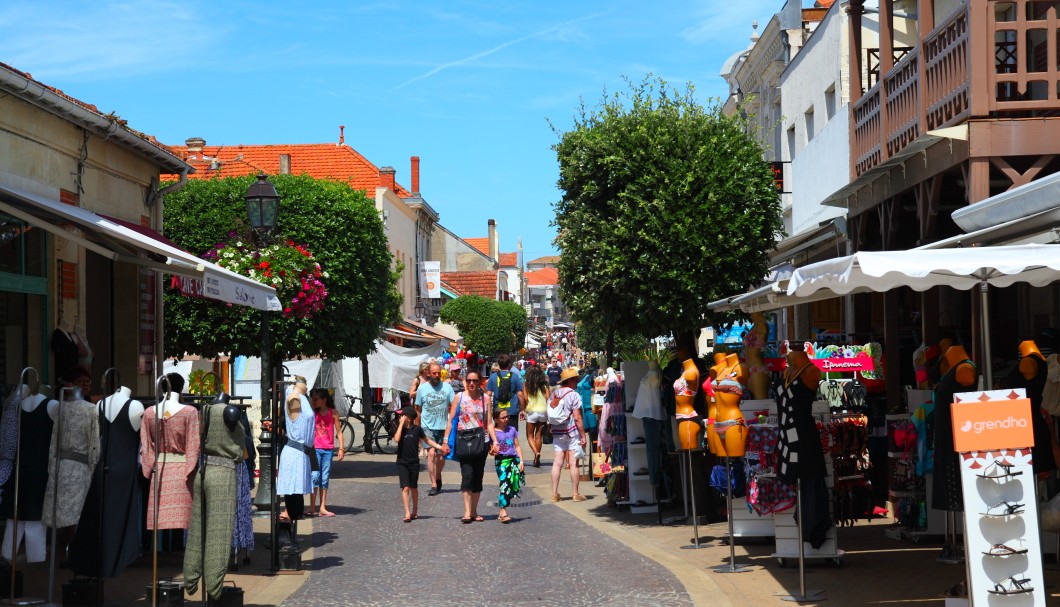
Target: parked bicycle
{"x": 384, "y": 426}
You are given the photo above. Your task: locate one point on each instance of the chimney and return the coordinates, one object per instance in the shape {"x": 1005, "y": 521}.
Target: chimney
{"x": 285, "y": 164}
{"x": 342, "y": 134}
{"x": 415, "y": 175}
{"x": 494, "y": 245}
{"x": 387, "y": 178}
{"x": 195, "y": 144}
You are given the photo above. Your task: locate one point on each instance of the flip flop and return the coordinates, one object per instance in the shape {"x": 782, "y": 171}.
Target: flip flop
{"x": 505, "y": 519}
{"x": 478, "y": 519}
{"x": 466, "y": 520}
{"x": 327, "y": 514}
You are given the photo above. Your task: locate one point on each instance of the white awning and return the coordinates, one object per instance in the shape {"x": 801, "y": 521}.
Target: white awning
{"x": 121, "y": 243}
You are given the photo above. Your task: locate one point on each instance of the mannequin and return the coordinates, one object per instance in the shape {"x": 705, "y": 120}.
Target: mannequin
{"x": 294, "y": 479}
{"x": 215, "y": 490}
{"x": 960, "y": 376}
{"x": 728, "y": 421}
{"x": 1032, "y": 377}
{"x": 753, "y": 342}
{"x": 9, "y": 431}
{"x": 175, "y": 442}
{"x": 944, "y": 345}
{"x": 38, "y": 417}
{"x": 689, "y": 428}
{"x": 712, "y": 405}
{"x": 107, "y": 538}
{"x": 800, "y": 454}
{"x": 77, "y": 457}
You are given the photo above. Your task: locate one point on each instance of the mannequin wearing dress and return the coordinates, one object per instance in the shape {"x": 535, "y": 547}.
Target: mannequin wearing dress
{"x": 38, "y": 417}
{"x": 108, "y": 534}
{"x": 753, "y": 342}
{"x": 689, "y": 427}
{"x": 712, "y": 404}
{"x": 960, "y": 376}
{"x": 800, "y": 454}
{"x": 1031, "y": 377}
{"x": 174, "y": 442}
{"x": 729, "y": 422}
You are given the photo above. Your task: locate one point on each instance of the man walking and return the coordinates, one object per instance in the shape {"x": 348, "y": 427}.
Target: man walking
{"x": 433, "y": 398}
{"x": 506, "y": 388}
{"x": 553, "y": 372}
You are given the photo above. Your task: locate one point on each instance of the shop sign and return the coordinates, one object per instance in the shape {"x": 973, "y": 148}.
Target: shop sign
{"x": 829, "y": 365}
{"x": 991, "y": 420}
{"x": 189, "y": 287}
{"x": 431, "y": 279}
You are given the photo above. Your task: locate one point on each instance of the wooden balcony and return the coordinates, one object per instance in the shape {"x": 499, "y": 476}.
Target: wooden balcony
{"x": 988, "y": 59}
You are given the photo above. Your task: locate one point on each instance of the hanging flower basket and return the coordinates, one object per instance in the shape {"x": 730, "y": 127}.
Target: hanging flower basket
{"x": 288, "y": 267}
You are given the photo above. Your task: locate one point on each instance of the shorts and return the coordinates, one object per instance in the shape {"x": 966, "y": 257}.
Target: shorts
{"x": 408, "y": 475}
{"x": 566, "y": 442}
{"x": 437, "y": 436}
{"x": 536, "y": 418}
{"x": 322, "y": 478}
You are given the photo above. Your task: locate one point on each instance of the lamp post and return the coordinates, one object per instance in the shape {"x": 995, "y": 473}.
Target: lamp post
{"x": 263, "y": 204}
{"x": 420, "y": 310}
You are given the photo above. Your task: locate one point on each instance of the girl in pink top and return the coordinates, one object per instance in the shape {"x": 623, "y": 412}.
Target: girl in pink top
{"x": 325, "y": 437}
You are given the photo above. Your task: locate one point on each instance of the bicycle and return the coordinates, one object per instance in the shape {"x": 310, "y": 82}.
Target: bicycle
{"x": 384, "y": 425}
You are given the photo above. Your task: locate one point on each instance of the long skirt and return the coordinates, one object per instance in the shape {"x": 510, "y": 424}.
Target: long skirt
{"x": 511, "y": 479}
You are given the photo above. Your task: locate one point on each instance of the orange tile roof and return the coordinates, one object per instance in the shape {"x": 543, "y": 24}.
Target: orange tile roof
{"x": 448, "y": 287}
{"x": 318, "y": 160}
{"x": 482, "y": 245}
{"x": 482, "y": 282}
{"x": 509, "y": 260}
{"x": 547, "y": 259}
{"x": 542, "y": 277}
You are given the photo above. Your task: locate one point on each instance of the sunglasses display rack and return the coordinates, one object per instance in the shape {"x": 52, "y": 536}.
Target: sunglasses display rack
{"x": 1001, "y": 530}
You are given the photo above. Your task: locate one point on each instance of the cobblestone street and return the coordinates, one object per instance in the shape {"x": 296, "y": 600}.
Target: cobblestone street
{"x": 367, "y": 556}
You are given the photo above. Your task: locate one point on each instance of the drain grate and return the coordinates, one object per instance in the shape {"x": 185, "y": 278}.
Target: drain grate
{"x": 518, "y": 504}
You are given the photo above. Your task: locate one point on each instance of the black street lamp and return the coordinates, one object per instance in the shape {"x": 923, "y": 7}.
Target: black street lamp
{"x": 420, "y": 310}
{"x": 263, "y": 206}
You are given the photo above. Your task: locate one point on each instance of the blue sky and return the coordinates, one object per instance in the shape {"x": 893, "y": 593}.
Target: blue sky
{"x": 469, "y": 87}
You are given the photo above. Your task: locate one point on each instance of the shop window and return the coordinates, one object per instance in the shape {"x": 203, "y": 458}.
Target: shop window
{"x": 1037, "y": 51}
{"x": 21, "y": 247}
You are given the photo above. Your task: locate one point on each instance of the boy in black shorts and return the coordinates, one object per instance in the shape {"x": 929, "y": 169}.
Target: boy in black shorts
{"x": 409, "y": 435}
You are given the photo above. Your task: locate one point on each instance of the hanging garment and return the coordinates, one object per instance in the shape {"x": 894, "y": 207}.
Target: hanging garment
{"x": 295, "y": 474}
{"x": 243, "y": 529}
{"x": 946, "y": 483}
{"x": 75, "y": 440}
{"x": 800, "y": 454}
{"x": 177, "y": 442}
{"x": 9, "y": 436}
{"x": 32, "y": 462}
{"x": 214, "y": 501}
{"x": 1042, "y": 453}
{"x": 649, "y": 396}
{"x": 64, "y": 347}
{"x": 108, "y": 535}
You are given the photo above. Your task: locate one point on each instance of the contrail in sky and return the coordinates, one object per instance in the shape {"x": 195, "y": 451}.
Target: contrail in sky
{"x": 489, "y": 52}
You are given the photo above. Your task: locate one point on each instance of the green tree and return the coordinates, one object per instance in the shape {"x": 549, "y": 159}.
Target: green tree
{"x": 667, "y": 205}
{"x": 592, "y": 337}
{"x": 345, "y": 234}
{"x": 488, "y": 327}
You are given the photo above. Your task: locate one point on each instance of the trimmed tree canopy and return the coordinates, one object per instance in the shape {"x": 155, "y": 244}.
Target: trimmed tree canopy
{"x": 488, "y": 327}
{"x": 342, "y": 229}
{"x": 667, "y": 206}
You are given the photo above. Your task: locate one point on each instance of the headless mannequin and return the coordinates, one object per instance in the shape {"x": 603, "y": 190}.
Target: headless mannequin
{"x": 944, "y": 345}
{"x": 689, "y": 428}
{"x": 112, "y": 406}
{"x": 729, "y": 421}
{"x": 966, "y": 373}
{"x": 33, "y": 530}
{"x": 1033, "y": 369}
{"x": 1028, "y": 368}
{"x": 712, "y": 406}
{"x": 810, "y": 376}
{"x": 758, "y": 383}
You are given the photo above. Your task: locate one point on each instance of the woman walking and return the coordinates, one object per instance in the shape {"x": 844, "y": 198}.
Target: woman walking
{"x": 537, "y": 392}
{"x": 474, "y": 416}
{"x": 325, "y": 437}
{"x": 509, "y": 462}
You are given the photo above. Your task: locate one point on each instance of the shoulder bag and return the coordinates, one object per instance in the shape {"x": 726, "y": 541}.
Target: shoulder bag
{"x": 471, "y": 443}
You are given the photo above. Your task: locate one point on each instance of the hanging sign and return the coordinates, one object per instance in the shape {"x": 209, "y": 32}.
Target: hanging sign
{"x": 431, "y": 279}
{"x": 860, "y": 364}
{"x": 991, "y": 420}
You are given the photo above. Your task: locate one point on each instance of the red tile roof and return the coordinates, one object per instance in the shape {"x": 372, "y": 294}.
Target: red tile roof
{"x": 318, "y": 160}
{"x": 483, "y": 282}
{"x": 509, "y": 260}
{"x": 482, "y": 245}
{"x": 547, "y": 259}
{"x": 448, "y": 287}
{"x": 544, "y": 276}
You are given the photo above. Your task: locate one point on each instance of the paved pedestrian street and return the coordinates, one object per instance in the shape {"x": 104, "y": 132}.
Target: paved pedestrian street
{"x": 366, "y": 555}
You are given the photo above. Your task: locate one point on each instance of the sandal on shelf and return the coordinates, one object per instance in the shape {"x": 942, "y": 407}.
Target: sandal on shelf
{"x": 1003, "y": 550}
{"x": 999, "y": 470}
{"x": 1012, "y": 586}
{"x": 1004, "y": 509}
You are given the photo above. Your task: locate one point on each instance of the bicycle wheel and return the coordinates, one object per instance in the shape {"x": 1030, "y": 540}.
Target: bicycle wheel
{"x": 349, "y": 437}
{"x": 384, "y": 436}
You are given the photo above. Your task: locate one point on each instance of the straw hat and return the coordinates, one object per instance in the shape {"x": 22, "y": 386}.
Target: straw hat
{"x": 570, "y": 373}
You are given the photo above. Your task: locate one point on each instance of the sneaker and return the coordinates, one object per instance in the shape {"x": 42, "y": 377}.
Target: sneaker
{"x": 433, "y": 491}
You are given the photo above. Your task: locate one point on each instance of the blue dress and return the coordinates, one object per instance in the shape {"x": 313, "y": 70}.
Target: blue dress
{"x": 295, "y": 475}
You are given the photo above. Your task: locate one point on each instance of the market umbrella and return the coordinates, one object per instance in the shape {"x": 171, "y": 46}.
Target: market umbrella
{"x": 920, "y": 270}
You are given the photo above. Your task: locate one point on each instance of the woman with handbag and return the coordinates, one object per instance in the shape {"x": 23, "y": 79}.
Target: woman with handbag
{"x": 471, "y": 408}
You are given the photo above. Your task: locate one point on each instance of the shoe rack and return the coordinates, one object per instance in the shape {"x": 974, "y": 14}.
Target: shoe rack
{"x": 641, "y": 492}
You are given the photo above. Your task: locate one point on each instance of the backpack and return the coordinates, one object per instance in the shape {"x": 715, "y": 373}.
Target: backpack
{"x": 557, "y": 414}
{"x": 504, "y": 389}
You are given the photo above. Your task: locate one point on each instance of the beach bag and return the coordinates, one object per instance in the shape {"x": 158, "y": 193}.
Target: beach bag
{"x": 558, "y": 415}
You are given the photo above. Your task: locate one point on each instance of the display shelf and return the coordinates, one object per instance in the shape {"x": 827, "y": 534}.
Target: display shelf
{"x": 640, "y": 488}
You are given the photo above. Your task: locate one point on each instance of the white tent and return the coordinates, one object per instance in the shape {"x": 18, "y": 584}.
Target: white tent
{"x": 390, "y": 366}
{"x": 922, "y": 269}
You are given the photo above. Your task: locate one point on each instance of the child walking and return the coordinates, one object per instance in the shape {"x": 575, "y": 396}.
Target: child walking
{"x": 509, "y": 461}
{"x": 408, "y": 437}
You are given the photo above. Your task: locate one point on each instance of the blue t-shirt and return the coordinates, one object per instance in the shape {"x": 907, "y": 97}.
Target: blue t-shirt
{"x": 494, "y": 383}
{"x": 434, "y": 404}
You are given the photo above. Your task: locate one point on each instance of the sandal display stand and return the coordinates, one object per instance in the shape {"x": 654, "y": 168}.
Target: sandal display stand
{"x": 992, "y": 433}
{"x": 641, "y": 494}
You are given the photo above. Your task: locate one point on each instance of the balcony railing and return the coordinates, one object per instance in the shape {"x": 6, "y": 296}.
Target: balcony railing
{"x": 990, "y": 58}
